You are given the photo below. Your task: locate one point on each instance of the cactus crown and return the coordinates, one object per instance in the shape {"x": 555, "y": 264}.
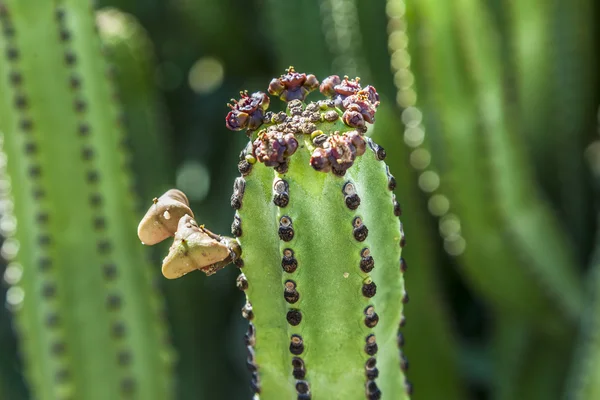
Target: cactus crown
{"x": 336, "y": 126}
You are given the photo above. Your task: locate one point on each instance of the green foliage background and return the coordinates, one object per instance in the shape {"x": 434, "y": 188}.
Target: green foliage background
{"x": 500, "y": 95}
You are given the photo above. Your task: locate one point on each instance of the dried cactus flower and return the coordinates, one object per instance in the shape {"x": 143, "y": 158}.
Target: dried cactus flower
{"x": 317, "y": 234}
{"x": 162, "y": 218}
{"x": 194, "y": 248}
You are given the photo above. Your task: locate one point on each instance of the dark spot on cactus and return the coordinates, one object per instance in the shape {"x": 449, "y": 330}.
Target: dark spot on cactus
{"x": 379, "y": 151}
{"x": 391, "y": 182}
{"x": 371, "y": 373}
{"x": 79, "y": 105}
{"x": 290, "y": 293}
{"x": 113, "y": 302}
{"x": 26, "y": 125}
{"x": 83, "y": 129}
{"x": 397, "y": 208}
{"x": 281, "y": 196}
{"x": 371, "y": 317}
{"x": 288, "y": 262}
{"x": 283, "y": 167}
{"x": 16, "y": 78}
{"x": 286, "y": 229}
{"x": 252, "y": 367}
{"x": 408, "y": 387}
{"x": 371, "y": 363}
{"x": 52, "y": 320}
{"x": 403, "y": 265}
{"x": 304, "y": 396}
{"x": 12, "y": 54}
{"x": 405, "y": 298}
{"x": 400, "y": 339}
{"x": 367, "y": 263}
{"x": 247, "y": 312}
{"x": 92, "y": 176}
{"x": 62, "y": 375}
{"x": 8, "y": 31}
{"x": 403, "y": 363}
{"x": 74, "y": 82}
{"x": 118, "y": 329}
{"x": 38, "y": 193}
{"x": 236, "y": 226}
{"x": 65, "y": 35}
{"x": 238, "y": 262}
{"x": 103, "y": 246}
{"x": 30, "y": 148}
{"x": 372, "y": 391}
{"x": 371, "y": 345}
{"x": 44, "y": 240}
{"x": 331, "y": 116}
{"x": 110, "y": 271}
{"x": 299, "y": 371}
{"x": 402, "y": 322}
{"x": 239, "y": 186}
{"x": 351, "y": 197}
{"x": 35, "y": 171}
{"x": 402, "y": 241}
{"x": 87, "y": 153}
{"x": 20, "y": 102}
{"x": 254, "y": 383}
{"x": 296, "y": 345}
{"x": 42, "y": 217}
{"x": 127, "y": 385}
{"x": 59, "y": 14}
{"x": 294, "y": 317}
{"x": 241, "y": 282}
{"x": 70, "y": 58}
{"x": 360, "y": 231}
{"x": 320, "y": 139}
{"x": 124, "y": 357}
{"x": 369, "y": 288}
{"x": 302, "y": 387}
{"x": 58, "y": 348}
{"x": 48, "y": 290}
{"x": 250, "y": 335}
{"x": 244, "y": 167}
{"x": 44, "y": 263}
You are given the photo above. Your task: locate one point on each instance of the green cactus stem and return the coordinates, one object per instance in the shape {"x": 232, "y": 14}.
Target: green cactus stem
{"x": 321, "y": 241}
{"x": 74, "y": 209}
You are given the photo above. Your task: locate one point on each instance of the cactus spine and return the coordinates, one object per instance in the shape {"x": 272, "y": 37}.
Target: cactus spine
{"x": 320, "y": 238}
{"x": 65, "y": 159}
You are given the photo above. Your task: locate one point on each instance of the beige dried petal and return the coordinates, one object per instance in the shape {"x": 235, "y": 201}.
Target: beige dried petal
{"x": 161, "y": 220}
{"x": 195, "y": 248}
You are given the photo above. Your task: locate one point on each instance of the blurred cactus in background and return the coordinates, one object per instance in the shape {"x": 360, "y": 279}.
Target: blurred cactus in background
{"x": 488, "y": 117}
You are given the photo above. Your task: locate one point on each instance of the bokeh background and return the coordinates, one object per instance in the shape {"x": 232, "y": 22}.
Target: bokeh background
{"x": 489, "y": 119}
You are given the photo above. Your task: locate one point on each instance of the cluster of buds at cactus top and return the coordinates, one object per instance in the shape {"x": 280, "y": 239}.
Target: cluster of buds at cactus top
{"x": 342, "y": 117}
{"x": 317, "y": 239}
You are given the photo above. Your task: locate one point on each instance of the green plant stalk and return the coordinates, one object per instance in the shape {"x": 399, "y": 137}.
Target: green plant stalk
{"x": 431, "y": 342}
{"x": 495, "y": 198}
{"x": 553, "y": 58}
{"x": 74, "y": 208}
{"x": 320, "y": 242}
{"x": 129, "y": 49}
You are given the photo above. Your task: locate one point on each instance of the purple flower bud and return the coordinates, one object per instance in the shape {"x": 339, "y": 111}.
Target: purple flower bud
{"x": 293, "y": 85}
{"x": 354, "y": 119}
{"x": 247, "y": 112}
{"x": 328, "y": 85}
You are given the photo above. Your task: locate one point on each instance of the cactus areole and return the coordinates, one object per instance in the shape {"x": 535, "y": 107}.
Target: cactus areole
{"x": 317, "y": 239}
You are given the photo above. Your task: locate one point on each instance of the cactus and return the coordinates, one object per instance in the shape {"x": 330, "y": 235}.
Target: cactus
{"x": 67, "y": 165}
{"x": 318, "y": 240}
